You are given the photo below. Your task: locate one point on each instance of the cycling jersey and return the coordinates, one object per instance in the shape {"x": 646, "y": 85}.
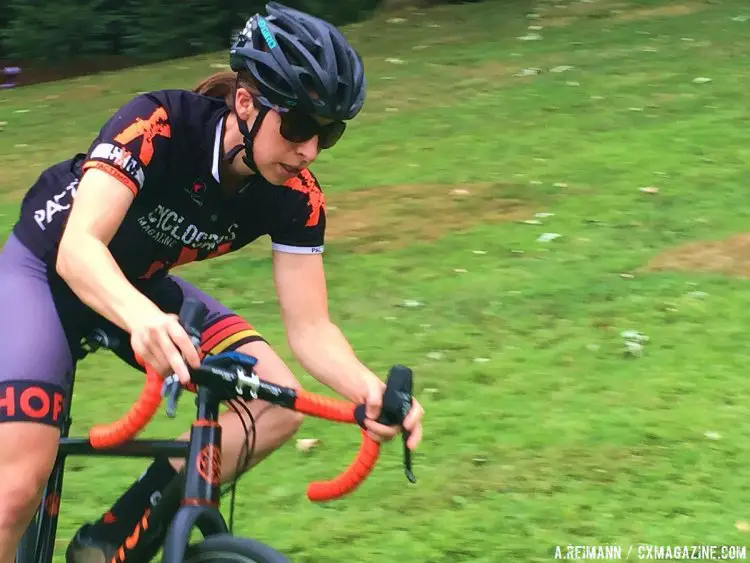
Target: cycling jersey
{"x": 166, "y": 147}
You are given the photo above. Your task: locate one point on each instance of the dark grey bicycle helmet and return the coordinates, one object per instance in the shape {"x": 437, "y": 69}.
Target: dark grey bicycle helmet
{"x": 302, "y": 62}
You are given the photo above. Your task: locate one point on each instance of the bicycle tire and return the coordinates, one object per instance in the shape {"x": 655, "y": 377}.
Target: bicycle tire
{"x": 225, "y": 548}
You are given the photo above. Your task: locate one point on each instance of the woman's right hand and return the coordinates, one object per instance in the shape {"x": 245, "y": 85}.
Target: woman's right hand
{"x": 158, "y": 340}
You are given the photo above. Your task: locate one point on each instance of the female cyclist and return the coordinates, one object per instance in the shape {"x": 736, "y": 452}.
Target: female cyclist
{"x": 174, "y": 177}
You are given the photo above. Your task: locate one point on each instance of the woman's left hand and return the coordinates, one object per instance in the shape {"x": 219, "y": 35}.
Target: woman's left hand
{"x": 382, "y": 433}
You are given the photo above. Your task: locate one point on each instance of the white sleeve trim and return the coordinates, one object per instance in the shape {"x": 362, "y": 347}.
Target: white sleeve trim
{"x": 297, "y": 249}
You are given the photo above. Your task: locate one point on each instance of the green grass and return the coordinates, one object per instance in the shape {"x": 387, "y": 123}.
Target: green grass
{"x": 558, "y": 438}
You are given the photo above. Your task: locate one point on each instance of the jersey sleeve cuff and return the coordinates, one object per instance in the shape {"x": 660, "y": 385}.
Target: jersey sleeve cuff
{"x": 291, "y": 249}
{"x": 114, "y": 172}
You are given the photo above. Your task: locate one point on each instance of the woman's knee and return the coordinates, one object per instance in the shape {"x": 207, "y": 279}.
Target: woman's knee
{"x": 270, "y": 365}
{"x": 22, "y": 493}
{"x": 272, "y": 368}
{"x": 292, "y": 421}
{"x": 24, "y": 470}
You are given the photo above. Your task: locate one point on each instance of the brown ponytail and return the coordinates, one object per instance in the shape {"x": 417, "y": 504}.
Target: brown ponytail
{"x": 224, "y": 85}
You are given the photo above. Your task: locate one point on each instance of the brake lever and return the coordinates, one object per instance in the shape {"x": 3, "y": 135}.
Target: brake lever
{"x": 192, "y": 315}
{"x": 401, "y": 401}
{"x": 407, "y": 458}
{"x": 172, "y": 389}
{"x": 397, "y": 401}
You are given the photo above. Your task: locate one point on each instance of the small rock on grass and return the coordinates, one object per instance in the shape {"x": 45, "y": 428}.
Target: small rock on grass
{"x": 306, "y": 445}
{"x": 634, "y": 335}
{"x": 528, "y": 72}
{"x": 633, "y": 348}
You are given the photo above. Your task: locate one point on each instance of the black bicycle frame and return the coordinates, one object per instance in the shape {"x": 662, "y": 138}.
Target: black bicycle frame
{"x": 199, "y": 496}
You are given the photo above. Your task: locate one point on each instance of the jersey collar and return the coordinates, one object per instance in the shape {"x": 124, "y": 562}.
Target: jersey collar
{"x": 217, "y": 148}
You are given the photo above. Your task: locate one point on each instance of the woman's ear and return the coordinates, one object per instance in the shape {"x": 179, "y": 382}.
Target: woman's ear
{"x": 243, "y": 104}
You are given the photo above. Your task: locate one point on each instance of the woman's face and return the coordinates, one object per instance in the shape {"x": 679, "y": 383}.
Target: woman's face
{"x": 277, "y": 159}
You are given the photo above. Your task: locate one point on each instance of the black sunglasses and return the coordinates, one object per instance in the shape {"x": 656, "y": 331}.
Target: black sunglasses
{"x": 299, "y": 127}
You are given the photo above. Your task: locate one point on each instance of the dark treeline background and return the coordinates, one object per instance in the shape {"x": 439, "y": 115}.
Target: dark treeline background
{"x": 54, "y": 31}
{"x": 66, "y": 37}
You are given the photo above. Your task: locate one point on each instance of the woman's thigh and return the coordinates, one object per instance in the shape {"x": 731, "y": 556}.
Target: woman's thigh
{"x": 35, "y": 357}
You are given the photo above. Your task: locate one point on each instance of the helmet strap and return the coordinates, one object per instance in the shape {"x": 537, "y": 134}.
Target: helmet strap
{"x": 248, "y": 138}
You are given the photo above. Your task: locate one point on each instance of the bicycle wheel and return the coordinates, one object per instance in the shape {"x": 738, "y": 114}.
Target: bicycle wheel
{"x": 224, "y": 548}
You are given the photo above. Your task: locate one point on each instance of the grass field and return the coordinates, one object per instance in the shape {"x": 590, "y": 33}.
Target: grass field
{"x": 545, "y": 425}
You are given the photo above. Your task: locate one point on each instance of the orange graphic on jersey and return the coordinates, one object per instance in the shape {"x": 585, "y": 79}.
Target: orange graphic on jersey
{"x": 156, "y": 125}
{"x": 186, "y": 256}
{"x": 152, "y": 269}
{"x": 221, "y": 249}
{"x": 306, "y": 184}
